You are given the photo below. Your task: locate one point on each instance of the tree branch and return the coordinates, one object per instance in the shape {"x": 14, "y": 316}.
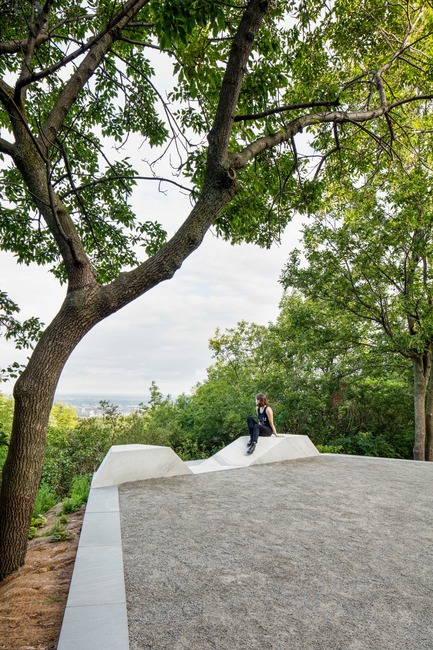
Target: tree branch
{"x": 6, "y": 147}
{"x": 101, "y": 45}
{"x": 239, "y": 159}
{"x": 220, "y": 134}
{"x": 19, "y": 45}
{"x": 282, "y": 109}
{"x": 125, "y": 39}
{"x": 117, "y": 177}
{"x": 132, "y": 7}
{"x": 11, "y": 47}
{"x": 35, "y": 31}
{"x": 215, "y": 194}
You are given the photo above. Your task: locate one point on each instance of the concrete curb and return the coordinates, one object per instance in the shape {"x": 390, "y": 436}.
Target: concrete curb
{"x": 95, "y": 616}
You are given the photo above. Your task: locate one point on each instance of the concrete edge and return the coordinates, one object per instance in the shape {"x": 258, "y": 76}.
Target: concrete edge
{"x": 394, "y": 460}
{"x": 95, "y": 616}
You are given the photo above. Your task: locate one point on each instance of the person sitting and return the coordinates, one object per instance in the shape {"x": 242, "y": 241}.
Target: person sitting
{"x": 264, "y": 426}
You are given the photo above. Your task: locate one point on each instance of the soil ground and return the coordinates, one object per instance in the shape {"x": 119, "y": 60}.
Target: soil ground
{"x": 33, "y": 599}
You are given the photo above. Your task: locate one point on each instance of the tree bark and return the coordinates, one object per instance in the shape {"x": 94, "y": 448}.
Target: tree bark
{"x": 429, "y": 422}
{"x": 421, "y": 372}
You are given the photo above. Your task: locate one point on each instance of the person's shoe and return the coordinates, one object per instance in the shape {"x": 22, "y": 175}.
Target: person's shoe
{"x": 249, "y": 443}
{"x": 252, "y": 447}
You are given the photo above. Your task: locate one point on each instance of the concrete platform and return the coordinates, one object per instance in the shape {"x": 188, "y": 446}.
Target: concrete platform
{"x": 126, "y": 463}
{"x": 323, "y": 552}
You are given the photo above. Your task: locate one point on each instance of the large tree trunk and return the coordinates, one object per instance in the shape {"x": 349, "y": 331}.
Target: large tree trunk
{"x": 34, "y": 393}
{"x": 429, "y": 422}
{"x": 421, "y": 372}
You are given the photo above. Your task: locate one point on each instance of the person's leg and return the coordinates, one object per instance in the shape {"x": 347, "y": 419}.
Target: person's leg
{"x": 251, "y": 424}
{"x": 254, "y": 437}
{"x": 258, "y": 430}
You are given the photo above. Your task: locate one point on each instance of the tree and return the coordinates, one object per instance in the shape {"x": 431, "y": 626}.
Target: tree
{"x": 321, "y": 375}
{"x": 250, "y": 78}
{"x": 332, "y": 384}
{"x": 371, "y": 255}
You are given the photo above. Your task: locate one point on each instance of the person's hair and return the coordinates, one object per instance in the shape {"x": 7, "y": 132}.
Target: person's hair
{"x": 262, "y": 399}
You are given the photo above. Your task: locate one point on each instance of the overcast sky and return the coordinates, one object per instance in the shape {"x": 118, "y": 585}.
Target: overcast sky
{"x": 162, "y": 336}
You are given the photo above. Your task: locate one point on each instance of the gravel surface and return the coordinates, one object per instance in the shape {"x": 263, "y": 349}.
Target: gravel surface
{"x": 328, "y": 553}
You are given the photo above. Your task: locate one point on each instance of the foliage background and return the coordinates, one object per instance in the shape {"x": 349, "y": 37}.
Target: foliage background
{"x": 321, "y": 381}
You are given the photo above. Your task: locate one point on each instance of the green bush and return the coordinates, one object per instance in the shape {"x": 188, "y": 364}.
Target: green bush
{"x": 80, "y": 487}
{"x": 37, "y": 522}
{"x": 45, "y": 500}
{"x": 79, "y": 493}
{"x": 58, "y": 533}
{"x": 72, "y": 504}
{"x": 365, "y": 443}
{"x": 330, "y": 449}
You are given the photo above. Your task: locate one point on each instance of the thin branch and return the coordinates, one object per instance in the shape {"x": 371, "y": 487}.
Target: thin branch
{"x": 170, "y": 117}
{"x": 282, "y": 109}
{"x": 19, "y": 45}
{"x": 131, "y": 6}
{"x": 117, "y": 177}
{"x": 76, "y": 192}
{"x": 327, "y": 155}
{"x": 101, "y": 46}
{"x": 295, "y": 153}
{"x": 125, "y": 39}
{"x": 139, "y": 24}
{"x": 35, "y": 31}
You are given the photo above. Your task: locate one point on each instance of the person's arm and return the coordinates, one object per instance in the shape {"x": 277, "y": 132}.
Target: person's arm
{"x": 270, "y": 415}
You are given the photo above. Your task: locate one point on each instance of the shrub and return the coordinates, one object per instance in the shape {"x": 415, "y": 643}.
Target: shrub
{"x": 79, "y": 494}
{"x": 37, "y": 522}
{"x": 330, "y": 449}
{"x": 72, "y": 504}
{"x": 45, "y": 500}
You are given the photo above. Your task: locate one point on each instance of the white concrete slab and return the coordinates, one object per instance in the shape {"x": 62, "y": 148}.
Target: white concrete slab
{"x": 99, "y": 627}
{"x": 269, "y": 450}
{"x": 101, "y": 529}
{"x": 127, "y": 463}
{"x": 95, "y": 615}
{"x": 98, "y": 577}
{"x": 103, "y": 500}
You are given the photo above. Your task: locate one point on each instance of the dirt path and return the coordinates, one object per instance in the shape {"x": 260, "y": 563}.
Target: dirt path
{"x": 33, "y": 599}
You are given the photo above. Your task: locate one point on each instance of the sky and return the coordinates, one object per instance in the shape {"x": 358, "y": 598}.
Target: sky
{"x": 162, "y": 336}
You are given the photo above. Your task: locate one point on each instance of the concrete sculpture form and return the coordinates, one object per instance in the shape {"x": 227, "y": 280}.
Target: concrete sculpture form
{"x": 268, "y": 450}
{"x": 126, "y": 463}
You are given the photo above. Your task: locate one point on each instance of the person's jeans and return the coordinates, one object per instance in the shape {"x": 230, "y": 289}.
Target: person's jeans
{"x": 257, "y": 430}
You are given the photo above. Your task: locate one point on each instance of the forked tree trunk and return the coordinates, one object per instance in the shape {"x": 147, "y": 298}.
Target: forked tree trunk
{"x": 35, "y": 389}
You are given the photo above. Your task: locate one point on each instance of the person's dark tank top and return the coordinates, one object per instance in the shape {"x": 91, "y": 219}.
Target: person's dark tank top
{"x": 263, "y": 418}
